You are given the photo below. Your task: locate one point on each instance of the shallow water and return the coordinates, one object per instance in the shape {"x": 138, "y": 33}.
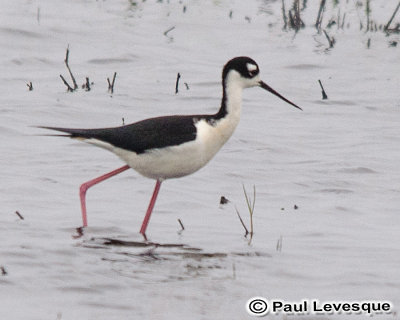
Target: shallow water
{"x": 337, "y": 162}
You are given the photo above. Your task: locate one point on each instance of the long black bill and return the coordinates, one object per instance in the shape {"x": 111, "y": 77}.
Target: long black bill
{"x": 268, "y": 88}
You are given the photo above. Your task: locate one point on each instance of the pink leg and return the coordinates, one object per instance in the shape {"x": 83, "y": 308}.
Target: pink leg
{"x": 150, "y": 209}
{"x": 85, "y": 186}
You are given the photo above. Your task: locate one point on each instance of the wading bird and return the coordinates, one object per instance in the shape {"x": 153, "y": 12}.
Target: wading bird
{"x": 174, "y": 146}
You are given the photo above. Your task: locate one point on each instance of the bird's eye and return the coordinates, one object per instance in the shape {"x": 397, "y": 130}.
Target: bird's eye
{"x": 253, "y": 73}
{"x": 252, "y": 70}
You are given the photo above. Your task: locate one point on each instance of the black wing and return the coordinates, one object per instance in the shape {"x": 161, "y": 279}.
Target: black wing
{"x": 143, "y": 135}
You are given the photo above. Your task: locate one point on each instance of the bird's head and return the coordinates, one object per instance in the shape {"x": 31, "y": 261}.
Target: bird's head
{"x": 244, "y": 72}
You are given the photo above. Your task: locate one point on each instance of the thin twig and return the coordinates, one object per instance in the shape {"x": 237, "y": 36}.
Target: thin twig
{"x": 19, "y": 215}
{"x": 284, "y": 15}
{"x": 69, "y": 88}
{"x": 248, "y": 202}
{"x": 343, "y": 20}
{"x": 254, "y": 198}
{"x": 331, "y": 41}
{"x": 319, "y": 17}
{"x": 170, "y": 29}
{"x": 250, "y": 206}
{"x": 291, "y": 20}
{"x": 279, "y": 244}
{"x": 170, "y": 38}
{"x": 392, "y": 17}
{"x": 69, "y": 69}
{"x": 252, "y": 212}
{"x": 178, "y": 76}
{"x": 368, "y": 12}
{"x": 180, "y": 222}
{"x": 241, "y": 221}
{"x": 296, "y": 7}
{"x": 111, "y": 84}
{"x": 324, "y": 96}
{"x": 86, "y": 85}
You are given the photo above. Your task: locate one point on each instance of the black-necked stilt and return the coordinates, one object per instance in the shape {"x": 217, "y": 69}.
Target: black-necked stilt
{"x": 174, "y": 146}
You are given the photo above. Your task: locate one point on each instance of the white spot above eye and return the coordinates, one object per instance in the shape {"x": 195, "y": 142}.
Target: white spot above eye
{"x": 251, "y": 67}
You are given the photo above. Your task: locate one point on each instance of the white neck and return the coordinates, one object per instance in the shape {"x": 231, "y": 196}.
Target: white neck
{"x": 233, "y": 97}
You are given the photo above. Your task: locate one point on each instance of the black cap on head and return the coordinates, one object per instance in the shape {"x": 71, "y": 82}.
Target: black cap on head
{"x": 246, "y": 66}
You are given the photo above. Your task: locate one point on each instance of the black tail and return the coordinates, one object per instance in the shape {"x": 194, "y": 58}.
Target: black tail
{"x": 71, "y": 133}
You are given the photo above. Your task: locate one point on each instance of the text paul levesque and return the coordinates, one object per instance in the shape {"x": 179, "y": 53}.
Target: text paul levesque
{"x": 317, "y": 307}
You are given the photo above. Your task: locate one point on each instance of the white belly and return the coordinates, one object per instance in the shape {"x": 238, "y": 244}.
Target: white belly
{"x": 184, "y": 159}
{"x": 166, "y": 163}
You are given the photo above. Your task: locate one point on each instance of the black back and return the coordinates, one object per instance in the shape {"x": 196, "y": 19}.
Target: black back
{"x": 143, "y": 135}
